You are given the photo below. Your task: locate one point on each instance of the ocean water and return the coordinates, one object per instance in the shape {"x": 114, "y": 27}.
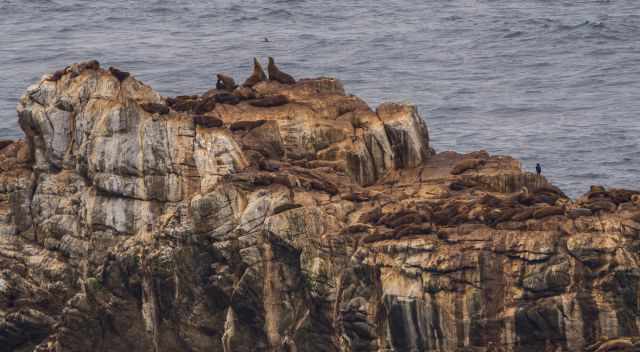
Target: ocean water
{"x": 549, "y": 81}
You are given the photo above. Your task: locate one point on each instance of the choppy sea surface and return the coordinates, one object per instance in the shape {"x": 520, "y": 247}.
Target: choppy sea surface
{"x": 549, "y": 81}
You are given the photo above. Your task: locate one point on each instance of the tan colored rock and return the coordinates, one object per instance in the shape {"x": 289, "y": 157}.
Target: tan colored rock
{"x": 306, "y": 222}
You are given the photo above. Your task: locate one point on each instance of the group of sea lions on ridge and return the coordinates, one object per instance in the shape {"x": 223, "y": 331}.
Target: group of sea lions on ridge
{"x": 227, "y": 83}
{"x": 226, "y": 92}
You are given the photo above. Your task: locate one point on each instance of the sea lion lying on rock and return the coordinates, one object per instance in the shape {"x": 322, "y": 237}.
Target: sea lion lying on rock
{"x": 371, "y": 217}
{"x": 5, "y": 143}
{"x": 355, "y": 228}
{"x": 246, "y": 125}
{"x": 617, "y": 196}
{"x": 270, "y": 101}
{"x": 182, "y": 103}
{"x": 579, "y": 212}
{"x": 466, "y": 164}
{"x": 119, "y": 75}
{"x": 204, "y": 105}
{"x": 244, "y": 93}
{"x": 56, "y": 76}
{"x": 284, "y": 207}
{"x": 547, "y": 211}
{"x": 89, "y": 65}
{"x": 461, "y": 184}
{"x": 74, "y": 69}
{"x": 601, "y": 205}
{"x": 523, "y": 215}
{"x": 63, "y": 105}
{"x": 412, "y": 229}
{"x": 155, "y": 108}
{"x": 356, "y": 197}
{"x": 226, "y": 98}
{"x": 207, "y": 121}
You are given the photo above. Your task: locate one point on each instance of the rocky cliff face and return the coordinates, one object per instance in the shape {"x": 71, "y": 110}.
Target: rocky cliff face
{"x": 291, "y": 218}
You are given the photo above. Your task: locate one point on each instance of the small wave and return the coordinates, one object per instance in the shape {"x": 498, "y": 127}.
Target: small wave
{"x": 588, "y": 175}
{"x": 513, "y": 34}
{"x": 585, "y": 24}
{"x": 279, "y": 13}
{"x": 452, "y": 18}
{"x": 248, "y": 19}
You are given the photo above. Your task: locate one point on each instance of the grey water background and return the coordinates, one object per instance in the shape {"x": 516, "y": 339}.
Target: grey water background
{"x": 549, "y": 81}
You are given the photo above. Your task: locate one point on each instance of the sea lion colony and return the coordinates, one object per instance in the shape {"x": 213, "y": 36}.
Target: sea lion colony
{"x": 125, "y": 228}
{"x": 226, "y": 92}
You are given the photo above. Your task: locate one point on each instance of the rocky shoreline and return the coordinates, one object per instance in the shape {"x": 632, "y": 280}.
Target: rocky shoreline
{"x": 291, "y": 217}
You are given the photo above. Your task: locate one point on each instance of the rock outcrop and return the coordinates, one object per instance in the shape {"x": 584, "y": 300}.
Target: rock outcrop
{"x": 291, "y": 218}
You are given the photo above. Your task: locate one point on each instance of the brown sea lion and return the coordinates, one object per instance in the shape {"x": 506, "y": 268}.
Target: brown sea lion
{"x": 89, "y": 65}
{"x": 258, "y": 75}
{"x": 226, "y": 98}
{"x": 276, "y": 75}
{"x": 57, "y": 75}
{"x": 5, "y": 143}
{"x": 204, "y": 105}
{"x": 270, "y": 101}
{"x": 63, "y": 105}
{"x": 466, "y": 164}
{"x": 284, "y": 207}
{"x": 246, "y": 125}
{"x": 547, "y": 211}
{"x": 207, "y": 121}
{"x": 120, "y": 75}
{"x": 155, "y": 108}
{"x": 225, "y": 83}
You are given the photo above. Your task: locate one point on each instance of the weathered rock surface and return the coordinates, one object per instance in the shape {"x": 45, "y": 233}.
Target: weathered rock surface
{"x": 306, "y": 222}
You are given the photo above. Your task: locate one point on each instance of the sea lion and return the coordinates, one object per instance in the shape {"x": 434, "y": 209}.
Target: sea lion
{"x": 204, "y": 105}
{"x": 579, "y": 212}
{"x": 57, "y": 75}
{"x": 155, "y": 108}
{"x": 183, "y": 102}
{"x": 284, "y": 207}
{"x": 225, "y": 83}
{"x": 466, "y": 164}
{"x": 246, "y": 125}
{"x": 244, "y": 93}
{"x": 63, "y": 104}
{"x": 120, "y": 75}
{"x": 226, "y": 98}
{"x": 276, "y": 75}
{"x": 5, "y": 143}
{"x": 258, "y": 75}
{"x": 547, "y": 211}
{"x": 207, "y": 121}
{"x": 89, "y": 65}
{"x": 270, "y": 101}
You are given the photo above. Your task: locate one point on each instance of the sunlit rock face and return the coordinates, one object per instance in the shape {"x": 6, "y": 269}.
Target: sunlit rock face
{"x": 291, "y": 218}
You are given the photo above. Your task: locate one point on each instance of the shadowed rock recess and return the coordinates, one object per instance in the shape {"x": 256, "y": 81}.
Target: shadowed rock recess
{"x": 291, "y": 218}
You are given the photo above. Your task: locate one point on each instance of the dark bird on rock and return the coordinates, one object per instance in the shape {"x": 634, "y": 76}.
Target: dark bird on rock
{"x": 538, "y": 169}
{"x": 258, "y": 75}
{"x": 276, "y": 75}
{"x": 120, "y": 75}
{"x": 225, "y": 83}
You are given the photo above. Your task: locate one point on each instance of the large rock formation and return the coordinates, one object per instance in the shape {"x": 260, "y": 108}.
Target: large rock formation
{"x": 291, "y": 218}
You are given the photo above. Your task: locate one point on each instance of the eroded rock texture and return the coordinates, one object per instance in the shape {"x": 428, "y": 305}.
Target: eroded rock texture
{"x": 291, "y": 218}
